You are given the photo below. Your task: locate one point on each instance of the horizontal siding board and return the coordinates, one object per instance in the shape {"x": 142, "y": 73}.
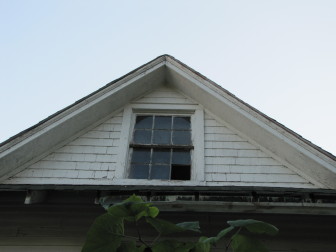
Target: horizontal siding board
{"x": 251, "y": 153}
{"x": 215, "y": 137}
{"x": 70, "y": 165}
{"x": 112, "y": 150}
{"x": 45, "y": 164}
{"x": 95, "y": 134}
{"x": 62, "y": 181}
{"x": 241, "y": 161}
{"x": 59, "y": 173}
{"x": 256, "y": 161}
{"x": 164, "y": 96}
{"x": 164, "y": 93}
{"x": 248, "y": 169}
{"x": 234, "y": 153}
{"x": 220, "y": 152}
{"x": 82, "y": 149}
{"x": 230, "y": 145}
{"x": 211, "y": 122}
{"x": 164, "y": 100}
{"x": 217, "y": 130}
{"x": 92, "y": 142}
{"x": 262, "y": 184}
{"x": 278, "y": 178}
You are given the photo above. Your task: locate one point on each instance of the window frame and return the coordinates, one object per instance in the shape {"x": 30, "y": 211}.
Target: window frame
{"x": 154, "y": 147}
{"x": 196, "y": 113}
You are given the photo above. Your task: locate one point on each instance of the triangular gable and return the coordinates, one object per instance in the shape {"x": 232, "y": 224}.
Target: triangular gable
{"x": 230, "y": 159}
{"x": 291, "y": 159}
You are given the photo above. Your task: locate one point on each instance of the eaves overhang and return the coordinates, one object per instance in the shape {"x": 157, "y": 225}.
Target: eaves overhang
{"x": 185, "y": 199}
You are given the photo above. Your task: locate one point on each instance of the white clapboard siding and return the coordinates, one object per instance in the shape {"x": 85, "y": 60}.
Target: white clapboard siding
{"x": 232, "y": 160}
{"x": 90, "y": 156}
{"x": 164, "y": 96}
{"x": 229, "y": 159}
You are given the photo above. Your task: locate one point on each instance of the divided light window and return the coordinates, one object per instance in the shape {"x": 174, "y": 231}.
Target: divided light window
{"x": 160, "y": 148}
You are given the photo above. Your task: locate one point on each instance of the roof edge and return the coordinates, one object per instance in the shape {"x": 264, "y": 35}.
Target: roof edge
{"x": 270, "y": 119}
{"x": 26, "y": 132}
{"x": 164, "y": 57}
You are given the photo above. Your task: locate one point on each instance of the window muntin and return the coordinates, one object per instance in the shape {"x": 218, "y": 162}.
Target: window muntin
{"x": 161, "y": 147}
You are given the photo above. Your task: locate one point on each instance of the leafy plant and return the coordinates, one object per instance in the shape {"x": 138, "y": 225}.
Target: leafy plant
{"x": 107, "y": 233}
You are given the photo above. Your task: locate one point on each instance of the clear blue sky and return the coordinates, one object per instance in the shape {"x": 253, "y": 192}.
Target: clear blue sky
{"x": 278, "y": 56}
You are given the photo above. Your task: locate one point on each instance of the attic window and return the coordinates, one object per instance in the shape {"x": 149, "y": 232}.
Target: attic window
{"x": 161, "y": 147}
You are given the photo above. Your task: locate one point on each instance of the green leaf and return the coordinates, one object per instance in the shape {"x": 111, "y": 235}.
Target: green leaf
{"x": 242, "y": 243}
{"x": 104, "y": 235}
{"x": 165, "y": 227}
{"x": 202, "y": 245}
{"x": 191, "y": 226}
{"x": 133, "y": 209}
{"x": 220, "y": 235}
{"x": 153, "y": 212}
{"x": 254, "y": 226}
{"x": 172, "y": 246}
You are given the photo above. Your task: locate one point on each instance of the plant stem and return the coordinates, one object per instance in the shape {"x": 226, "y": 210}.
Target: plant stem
{"x": 156, "y": 238}
{"x": 228, "y": 245}
{"x": 139, "y": 236}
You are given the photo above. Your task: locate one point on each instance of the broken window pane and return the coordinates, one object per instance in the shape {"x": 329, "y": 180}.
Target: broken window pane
{"x": 180, "y": 172}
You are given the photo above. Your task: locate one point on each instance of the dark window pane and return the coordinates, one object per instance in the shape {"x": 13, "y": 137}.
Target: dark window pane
{"x": 181, "y": 157}
{"x": 142, "y": 136}
{"x": 161, "y": 137}
{"x": 182, "y": 137}
{"x": 141, "y": 156}
{"x": 181, "y": 123}
{"x": 162, "y": 122}
{"x": 161, "y": 156}
{"x": 143, "y": 122}
{"x": 160, "y": 172}
{"x": 139, "y": 171}
{"x": 180, "y": 172}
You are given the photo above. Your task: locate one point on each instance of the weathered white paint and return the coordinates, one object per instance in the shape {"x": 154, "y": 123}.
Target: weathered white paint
{"x": 221, "y": 156}
{"x": 92, "y": 155}
{"x": 232, "y": 160}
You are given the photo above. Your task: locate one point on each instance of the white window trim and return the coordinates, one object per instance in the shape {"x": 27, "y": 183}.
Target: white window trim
{"x": 197, "y": 135}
